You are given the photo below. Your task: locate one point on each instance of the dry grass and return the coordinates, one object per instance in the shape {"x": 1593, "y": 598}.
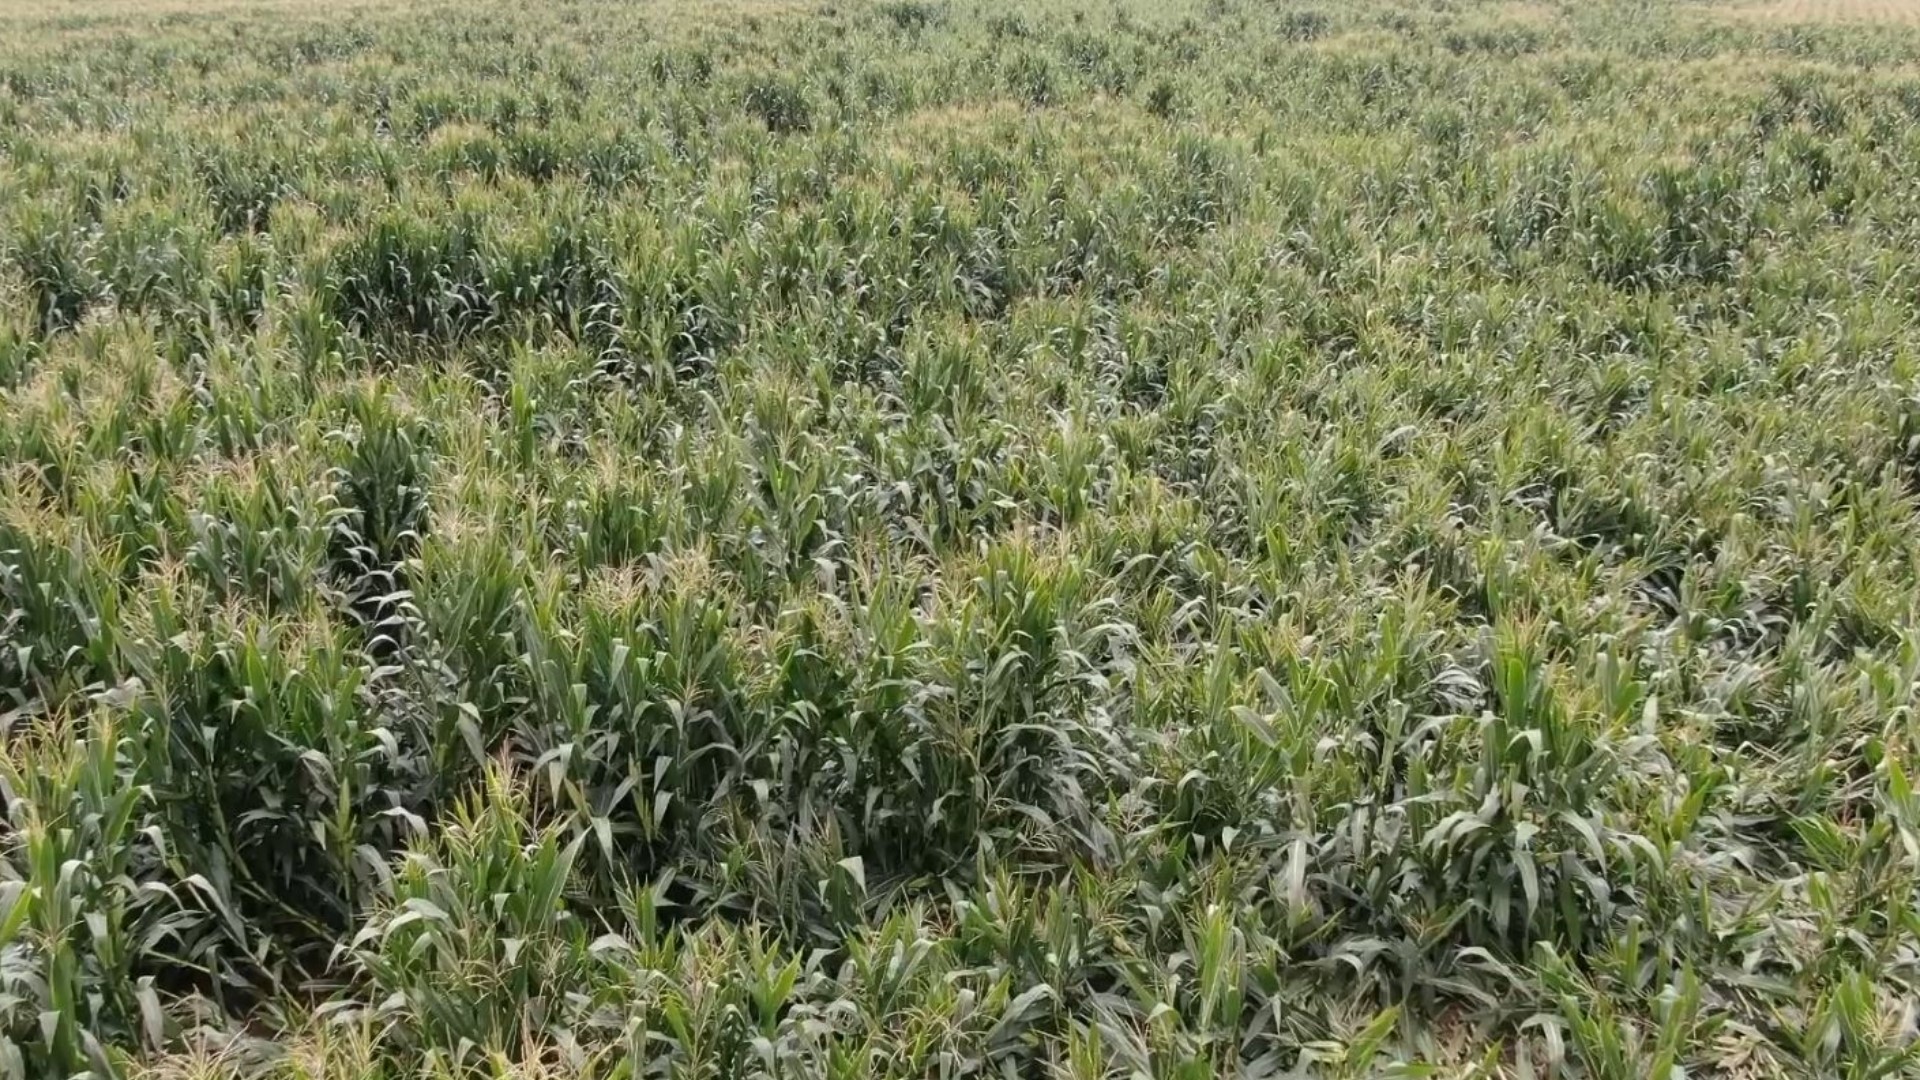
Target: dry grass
{"x": 1889, "y": 12}
{"x": 55, "y": 11}
{"x": 1538, "y": 13}
{"x": 97, "y": 12}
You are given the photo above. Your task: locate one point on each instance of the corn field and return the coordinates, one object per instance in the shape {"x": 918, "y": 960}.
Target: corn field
{"x": 1158, "y": 539}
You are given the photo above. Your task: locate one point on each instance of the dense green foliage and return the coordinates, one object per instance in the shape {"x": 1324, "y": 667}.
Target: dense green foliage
{"x": 958, "y": 538}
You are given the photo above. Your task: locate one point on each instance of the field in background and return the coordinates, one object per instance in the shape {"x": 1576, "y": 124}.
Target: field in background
{"x": 959, "y": 538}
{"x": 1869, "y": 12}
